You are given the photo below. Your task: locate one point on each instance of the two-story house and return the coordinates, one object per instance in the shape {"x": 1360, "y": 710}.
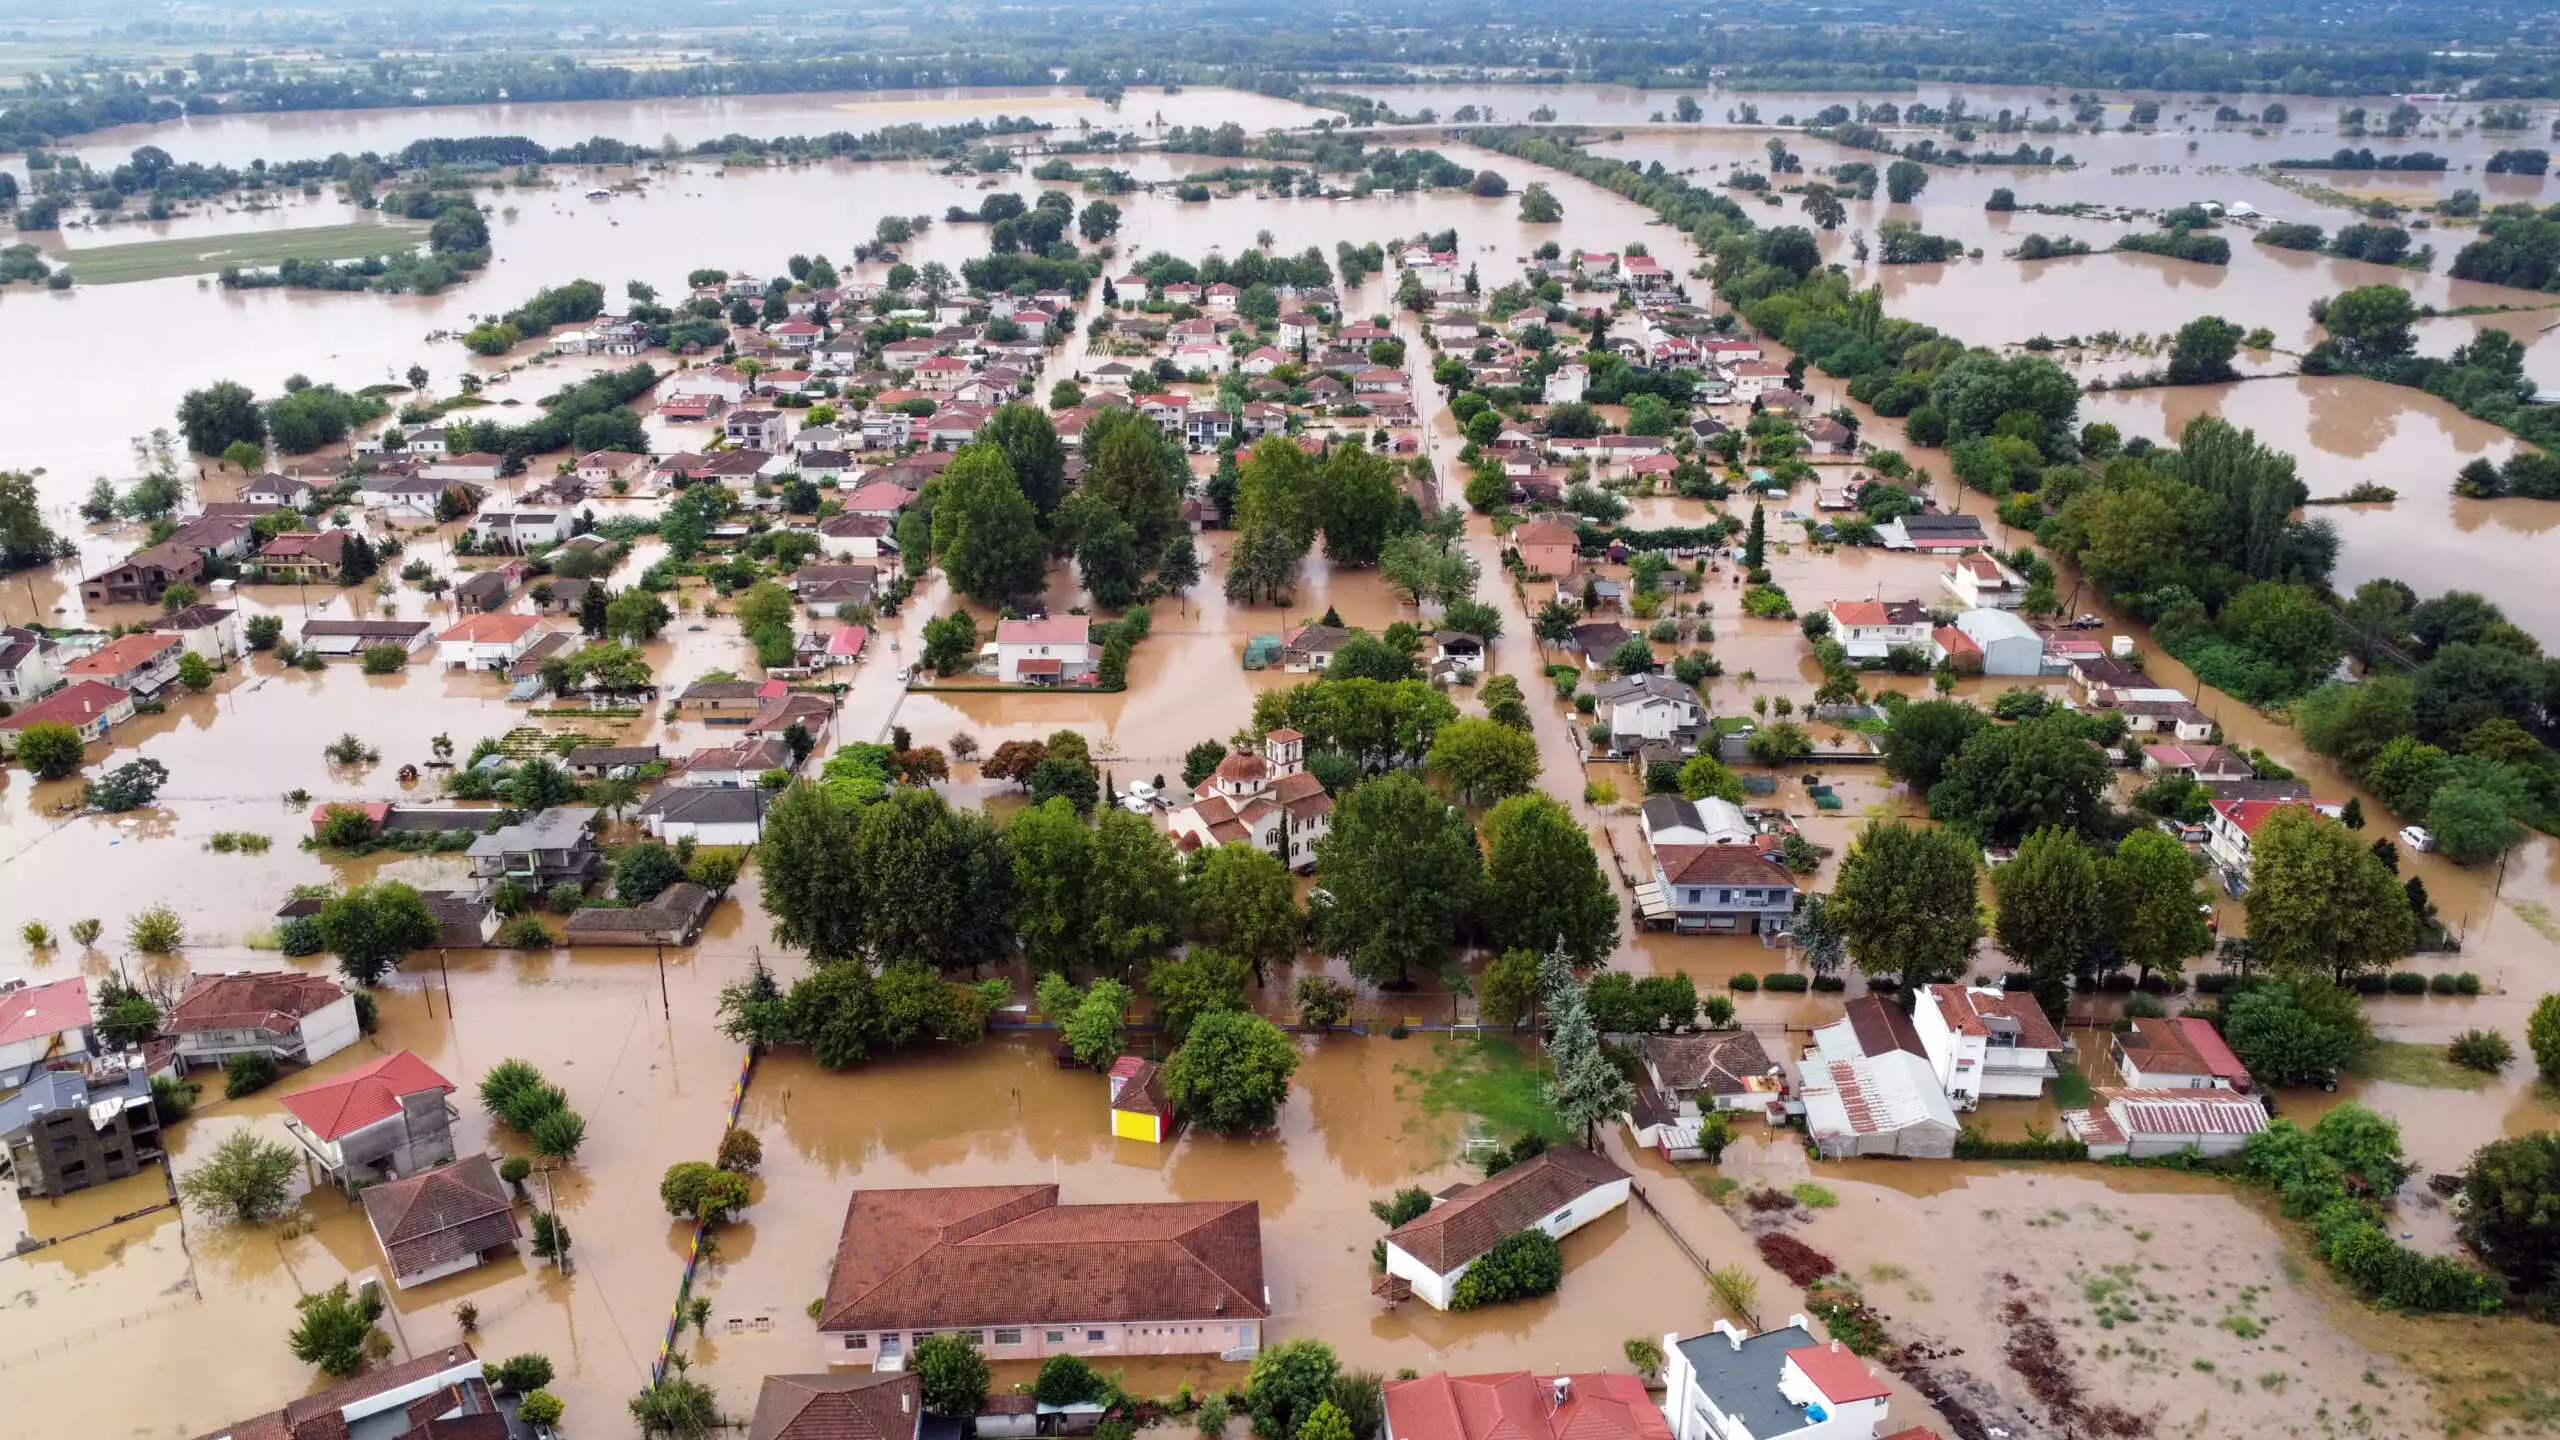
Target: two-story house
{"x": 377, "y": 1122}
{"x": 30, "y": 663}
{"x": 1780, "y": 1384}
{"x": 1718, "y": 889}
{"x": 555, "y": 847}
{"x": 2229, "y": 828}
{"x": 1985, "y": 1042}
{"x": 212, "y": 631}
{"x": 487, "y": 642}
{"x": 1649, "y": 708}
{"x": 142, "y": 664}
{"x": 1871, "y": 629}
{"x": 140, "y": 578}
{"x": 288, "y": 1017}
{"x": 1054, "y": 651}
{"x": 1981, "y": 581}
{"x": 765, "y": 430}
{"x": 67, "y": 1130}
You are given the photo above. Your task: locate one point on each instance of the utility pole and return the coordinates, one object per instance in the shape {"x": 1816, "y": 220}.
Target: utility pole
{"x": 664, "y": 1004}
{"x": 444, "y": 968}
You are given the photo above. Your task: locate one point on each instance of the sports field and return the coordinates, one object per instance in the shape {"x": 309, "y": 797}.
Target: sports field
{"x": 206, "y": 254}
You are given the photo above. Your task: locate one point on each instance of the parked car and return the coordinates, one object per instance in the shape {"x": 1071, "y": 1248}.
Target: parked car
{"x": 904, "y": 673}
{"x": 1139, "y": 798}
{"x": 2415, "y": 837}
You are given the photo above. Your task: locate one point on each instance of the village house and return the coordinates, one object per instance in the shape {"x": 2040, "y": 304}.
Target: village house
{"x": 302, "y": 556}
{"x": 2001, "y": 643}
{"x": 1649, "y": 708}
{"x": 1522, "y": 1406}
{"x": 2229, "y": 830}
{"x": 1981, "y": 581}
{"x": 778, "y": 714}
{"x": 481, "y": 591}
{"x": 1872, "y": 629}
{"x": 487, "y": 642}
{"x": 2205, "y": 764}
{"x": 1677, "y": 820}
{"x": 376, "y": 1122}
{"x": 340, "y": 639}
{"x": 857, "y": 537}
{"x": 440, "y": 1395}
{"x": 823, "y": 587}
{"x": 2176, "y": 1053}
{"x": 283, "y": 492}
{"x": 1056, "y": 651}
{"x": 765, "y": 430}
{"x": 1548, "y": 549}
{"x": 734, "y": 766}
{"x": 519, "y": 530}
{"x": 442, "y": 1221}
{"x": 141, "y": 664}
{"x": 478, "y": 468}
{"x": 1867, "y": 1088}
{"x": 554, "y": 847}
{"x": 674, "y": 916}
{"x": 1308, "y": 649}
{"x": 1933, "y": 533}
{"x": 1597, "y": 641}
{"x": 839, "y": 1406}
{"x": 1139, "y": 1109}
{"x": 2181, "y": 717}
{"x": 1557, "y": 1191}
{"x": 1269, "y": 801}
{"x": 288, "y": 1017}
{"x": 598, "y": 762}
{"x": 41, "y": 1026}
{"x": 709, "y": 814}
{"x": 140, "y": 578}
{"x": 1687, "y": 1076}
{"x": 1030, "y": 1278}
{"x": 1780, "y": 1384}
{"x": 67, "y": 1131}
{"x": 211, "y": 631}
{"x": 1717, "y": 890}
{"x": 2144, "y": 1124}
{"x": 30, "y": 663}
{"x": 1985, "y": 1043}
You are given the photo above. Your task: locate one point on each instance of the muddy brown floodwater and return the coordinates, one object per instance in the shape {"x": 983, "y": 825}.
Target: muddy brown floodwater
{"x": 205, "y": 1306}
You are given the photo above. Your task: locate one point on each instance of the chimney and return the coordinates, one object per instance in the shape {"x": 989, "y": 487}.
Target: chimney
{"x": 902, "y": 1399}
{"x": 1564, "y": 1390}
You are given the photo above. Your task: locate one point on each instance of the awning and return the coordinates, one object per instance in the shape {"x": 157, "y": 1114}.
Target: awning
{"x": 1040, "y": 667}
{"x": 1652, "y": 903}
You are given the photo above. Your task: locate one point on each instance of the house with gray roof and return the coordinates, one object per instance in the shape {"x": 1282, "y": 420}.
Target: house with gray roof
{"x": 1780, "y": 1384}
{"x": 555, "y": 847}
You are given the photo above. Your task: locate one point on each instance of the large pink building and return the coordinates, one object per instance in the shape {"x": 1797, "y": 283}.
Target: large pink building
{"x": 1031, "y": 1278}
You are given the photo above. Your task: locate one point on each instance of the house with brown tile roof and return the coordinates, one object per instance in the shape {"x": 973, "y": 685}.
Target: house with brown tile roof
{"x": 1139, "y": 1109}
{"x": 2177, "y": 1053}
{"x": 1984, "y": 1042}
{"x": 1031, "y": 1278}
{"x": 838, "y": 1406}
{"x": 1522, "y": 1406}
{"x": 288, "y": 1017}
{"x": 441, "y": 1222}
{"x": 1718, "y": 889}
{"x": 1722, "y": 1070}
{"x": 392, "y": 1390}
{"x": 1558, "y": 1191}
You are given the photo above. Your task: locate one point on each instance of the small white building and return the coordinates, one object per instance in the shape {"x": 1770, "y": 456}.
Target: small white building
{"x": 1780, "y": 1384}
{"x": 1984, "y": 1042}
{"x": 1055, "y": 651}
{"x": 212, "y": 631}
{"x": 516, "y": 530}
{"x": 2008, "y": 646}
{"x": 2141, "y": 1124}
{"x": 1558, "y": 1191}
{"x": 706, "y": 814}
{"x": 1871, "y": 629}
{"x": 487, "y": 642}
{"x": 1675, "y": 820}
{"x": 1979, "y": 581}
{"x": 1567, "y": 383}
{"x": 1649, "y": 707}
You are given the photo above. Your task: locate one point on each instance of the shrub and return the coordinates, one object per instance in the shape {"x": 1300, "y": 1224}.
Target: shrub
{"x": 521, "y": 1373}
{"x": 504, "y": 1080}
{"x": 1786, "y": 984}
{"x": 2442, "y": 983}
{"x": 741, "y": 1152}
{"x": 2407, "y": 982}
{"x": 1520, "y": 1265}
{"x": 1745, "y": 982}
{"x": 2481, "y": 1050}
{"x": 559, "y": 1134}
{"x": 247, "y": 1074}
{"x": 2466, "y": 983}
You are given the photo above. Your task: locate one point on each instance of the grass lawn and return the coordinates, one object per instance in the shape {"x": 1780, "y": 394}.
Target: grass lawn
{"x": 2403, "y": 1063}
{"x": 205, "y": 254}
{"x": 1498, "y": 1082}
{"x": 2071, "y": 1089}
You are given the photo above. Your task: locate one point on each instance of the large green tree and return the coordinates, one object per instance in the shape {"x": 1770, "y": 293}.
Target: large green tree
{"x": 1356, "y": 504}
{"x": 1136, "y": 891}
{"x": 1400, "y": 873}
{"x": 1031, "y": 446}
{"x": 1925, "y": 738}
{"x": 25, "y": 539}
{"x": 1052, "y": 853}
{"x": 1482, "y": 761}
{"x": 1542, "y": 883}
{"x": 1286, "y": 1384}
{"x": 1244, "y": 904}
{"x": 2009, "y": 780}
{"x": 1232, "y": 1072}
{"x": 220, "y": 413}
{"x": 935, "y": 879}
{"x": 2511, "y": 1213}
{"x": 1127, "y": 469}
{"x": 2050, "y": 911}
{"x": 953, "y": 1373}
{"x": 1278, "y": 486}
{"x": 985, "y": 531}
{"x": 2320, "y": 903}
{"x": 1905, "y": 901}
{"x": 806, "y": 874}
{"x": 371, "y": 926}
{"x": 2155, "y": 909}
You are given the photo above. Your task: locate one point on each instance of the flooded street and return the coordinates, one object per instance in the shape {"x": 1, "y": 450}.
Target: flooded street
{"x": 1936, "y": 1247}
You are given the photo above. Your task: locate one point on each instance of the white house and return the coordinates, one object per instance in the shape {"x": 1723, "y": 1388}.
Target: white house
{"x": 1982, "y": 1042}
{"x": 211, "y": 631}
{"x": 1558, "y": 1191}
{"x": 1674, "y": 820}
{"x": 519, "y": 529}
{"x": 480, "y": 467}
{"x": 857, "y": 537}
{"x": 40, "y": 1025}
{"x": 286, "y": 1016}
{"x": 706, "y": 814}
{"x": 1649, "y": 707}
{"x": 1780, "y": 1384}
{"x": 742, "y": 763}
{"x": 2008, "y": 646}
{"x": 1567, "y": 382}
{"x": 2229, "y": 828}
{"x": 2140, "y": 1124}
{"x": 2177, "y": 1053}
{"x": 1268, "y": 801}
{"x": 487, "y": 642}
{"x": 1869, "y": 629}
{"x": 1044, "y": 652}
{"x": 30, "y": 663}
{"x": 1980, "y": 582}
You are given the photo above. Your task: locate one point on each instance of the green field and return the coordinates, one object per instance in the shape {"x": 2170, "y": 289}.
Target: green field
{"x": 205, "y": 254}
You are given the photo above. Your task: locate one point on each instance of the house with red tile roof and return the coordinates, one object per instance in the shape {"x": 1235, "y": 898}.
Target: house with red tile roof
{"x": 440, "y": 1395}
{"x": 86, "y": 706}
{"x": 839, "y": 1406}
{"x": 1548, "y": 548}
{"x": 40, "y": 1025}
{"x": 1522, "y": 1406}
{"x": 287, "y": 1016}
{"x": 302, "y": 555}
{"x": 1034, "y": 1278}
{"x": 441, "y": 1222}
{"x": 1984, "y": 1042}
{"x": 2234, "y": 825}
{"x": 2177, "y": 1053}
{"x": 1139, "y": 1109}
{"x": 1872, "y": 629}
{"x": 139, "y": 578}
{"x": 1054, "y": 651}
{"x": 142, "y": 663}
{"x": 376, "y": 1122}
{"x": 1557, "y": 1191}
{"x": 1718, "y": 889}
{"x": 487, "y": 642}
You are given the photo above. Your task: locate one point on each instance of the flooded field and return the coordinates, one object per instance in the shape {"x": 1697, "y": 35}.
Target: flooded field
{"x": 1937, "y": 1247}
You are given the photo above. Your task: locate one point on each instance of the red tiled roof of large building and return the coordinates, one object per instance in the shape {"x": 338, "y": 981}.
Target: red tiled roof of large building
{"x": 274, "y": 1000}
{"x": 42, "y": 1010}
{"x": 1522, "y": 1406}
{"x": 123, "y": 653}
{"x": 365, "y": 1096}
{"x": 838, "y": 1406}
{"x": 1838, "y": 1373}
{"x": 1965, "y": 1009}
{"x": 1449, "y": 1235}
{"x": 989, "y": 1254}
{"x": 74, "y": 705}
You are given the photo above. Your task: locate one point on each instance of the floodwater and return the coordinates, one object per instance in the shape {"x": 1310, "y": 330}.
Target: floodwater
{"x": 652, "y": 1082}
